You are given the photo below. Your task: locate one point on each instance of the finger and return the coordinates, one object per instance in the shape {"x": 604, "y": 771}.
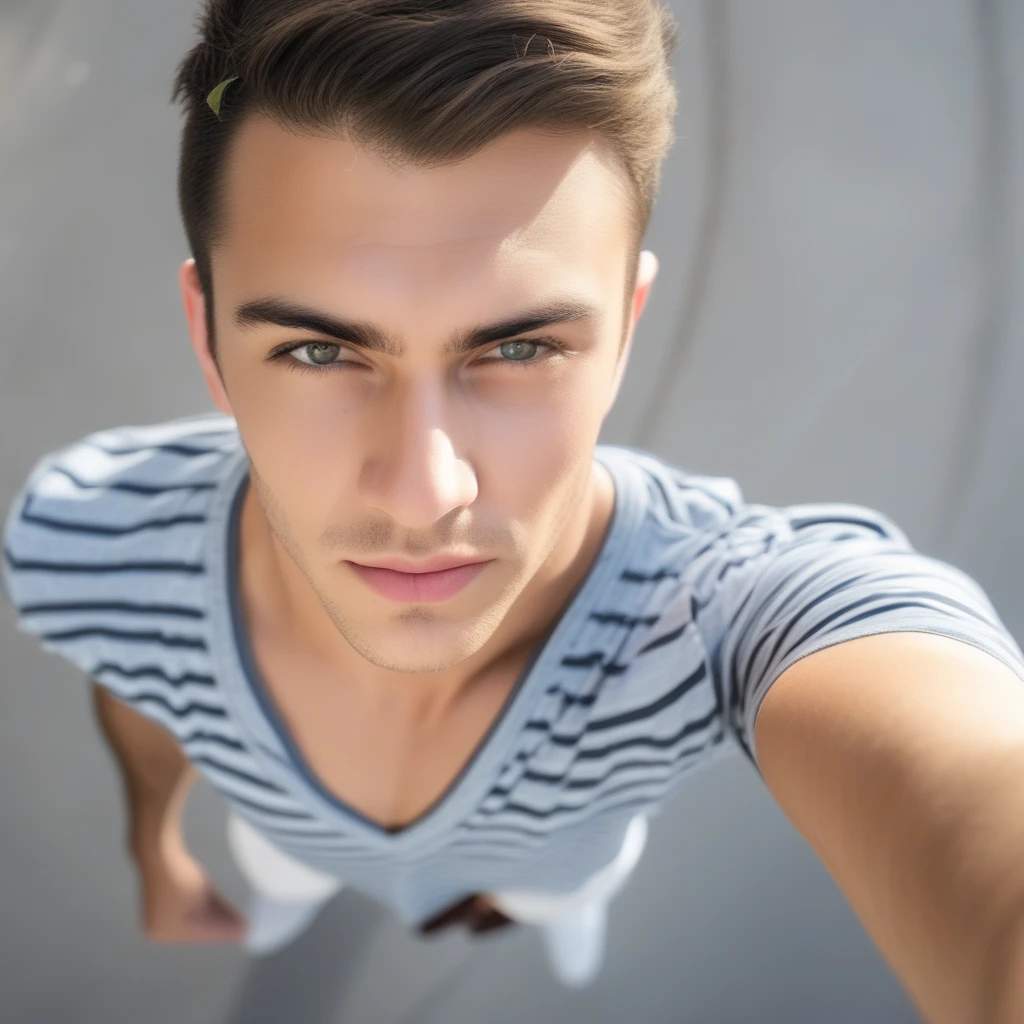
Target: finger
{"x": 455, "y": 913}
{"x": 491, "y": 921}
{"x": 484, "y": 916}
{"x": 218, "y": 921}
{"x": 225, "y": 911}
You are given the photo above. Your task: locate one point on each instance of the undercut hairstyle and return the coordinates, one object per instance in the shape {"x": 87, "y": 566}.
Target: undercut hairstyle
{"x": 424, "y": 83}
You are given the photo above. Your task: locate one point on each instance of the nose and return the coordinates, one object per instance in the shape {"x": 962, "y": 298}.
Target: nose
{"x": 415, "y": 472}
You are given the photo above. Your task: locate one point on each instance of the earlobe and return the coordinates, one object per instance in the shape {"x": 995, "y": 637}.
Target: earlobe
{"x": 194, "y": 302}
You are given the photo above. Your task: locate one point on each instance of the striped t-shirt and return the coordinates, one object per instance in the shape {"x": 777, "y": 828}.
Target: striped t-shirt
{"x": 120, "y": 554}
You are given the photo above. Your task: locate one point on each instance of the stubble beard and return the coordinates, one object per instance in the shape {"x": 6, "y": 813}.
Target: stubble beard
{"x": 473, "y": 634}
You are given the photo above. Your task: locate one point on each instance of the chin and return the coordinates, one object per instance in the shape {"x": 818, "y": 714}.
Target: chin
{"x": 420, "y": 644}
{"x": 417, "y": 659}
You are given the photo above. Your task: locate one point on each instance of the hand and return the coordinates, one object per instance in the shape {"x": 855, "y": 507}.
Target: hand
{"x": 476, "y": 912}
{"x": 180, "y": 904}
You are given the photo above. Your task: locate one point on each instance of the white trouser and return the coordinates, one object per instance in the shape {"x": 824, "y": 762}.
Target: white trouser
{"x": 288, "y": 894}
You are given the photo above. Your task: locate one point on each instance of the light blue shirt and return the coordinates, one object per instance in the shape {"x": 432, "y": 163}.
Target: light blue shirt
{"x": 120, "y": 554}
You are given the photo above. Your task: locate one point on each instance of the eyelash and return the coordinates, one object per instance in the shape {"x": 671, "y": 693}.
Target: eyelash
{"x": 551, "y": 344}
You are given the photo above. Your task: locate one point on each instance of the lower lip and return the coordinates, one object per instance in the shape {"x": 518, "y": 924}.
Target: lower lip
{"x": 419, "y": 586}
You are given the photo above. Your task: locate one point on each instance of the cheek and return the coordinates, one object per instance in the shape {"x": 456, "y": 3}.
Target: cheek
{"x": 531, "y": 459}
{"x": 302, "y": 446}
{"x": 527, "y": 436}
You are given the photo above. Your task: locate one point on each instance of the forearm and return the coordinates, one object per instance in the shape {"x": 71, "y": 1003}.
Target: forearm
{"x": 178, "y": 902}
{"x": 156, "y": 776}
{"x": 1006, "y": 1001}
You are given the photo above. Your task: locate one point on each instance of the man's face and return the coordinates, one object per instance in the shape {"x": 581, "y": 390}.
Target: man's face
{"x": 415, "y": 447}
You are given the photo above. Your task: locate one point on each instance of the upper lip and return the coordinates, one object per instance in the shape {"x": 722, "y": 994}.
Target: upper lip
{"x": 437, "y": 564}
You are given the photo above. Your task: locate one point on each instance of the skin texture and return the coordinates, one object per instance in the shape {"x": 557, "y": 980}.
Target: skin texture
{"x": 899, "y": 758}
{"x": 414, "y": 451}
{"x": 422, "y": 454}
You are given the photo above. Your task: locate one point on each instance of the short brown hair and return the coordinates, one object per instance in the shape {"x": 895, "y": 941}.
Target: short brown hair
{"x": 426, "y": 82}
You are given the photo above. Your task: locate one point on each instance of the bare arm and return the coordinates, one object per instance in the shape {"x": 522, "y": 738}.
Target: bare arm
{"x": 156, "y": 775}
{"x": 178, "y": 902}
{"x": 900, "y": 759}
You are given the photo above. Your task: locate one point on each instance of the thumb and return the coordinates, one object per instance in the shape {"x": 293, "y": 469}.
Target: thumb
{"x": 220, "y": 919}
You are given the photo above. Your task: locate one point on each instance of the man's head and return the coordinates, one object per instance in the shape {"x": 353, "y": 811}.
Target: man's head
{"x": 390, "y": 186}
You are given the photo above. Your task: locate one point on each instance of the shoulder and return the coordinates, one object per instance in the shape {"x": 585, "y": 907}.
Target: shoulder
{"x": 112, "y": 511}
{"x": 676, "y": 499}
{"x": 719, "y": 540}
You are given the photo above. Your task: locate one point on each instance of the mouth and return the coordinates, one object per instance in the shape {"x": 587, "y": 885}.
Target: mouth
{"x": 419, "y": 586}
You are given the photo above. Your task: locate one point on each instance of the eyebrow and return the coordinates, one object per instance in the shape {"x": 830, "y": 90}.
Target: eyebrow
{"x": 363, "y": 333}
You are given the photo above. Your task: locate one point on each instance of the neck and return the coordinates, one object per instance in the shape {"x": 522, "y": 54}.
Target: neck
{"x": 278, "y": 600}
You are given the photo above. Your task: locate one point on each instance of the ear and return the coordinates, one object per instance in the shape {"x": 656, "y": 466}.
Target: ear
{"x": 646, "y": 274}
{"x": 195, "y": 314}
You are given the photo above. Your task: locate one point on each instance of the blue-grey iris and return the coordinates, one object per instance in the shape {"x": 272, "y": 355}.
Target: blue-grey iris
{"x": 504, "y": 345}
{"x": 322, "y": 353}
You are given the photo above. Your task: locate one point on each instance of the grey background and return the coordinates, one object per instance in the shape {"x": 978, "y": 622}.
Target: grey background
{"x": 838, "y": 317}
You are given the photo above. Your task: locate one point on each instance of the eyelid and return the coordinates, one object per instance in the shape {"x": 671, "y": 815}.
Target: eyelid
{"x": 325, "y": 344}
{"x": 553, "y": 345}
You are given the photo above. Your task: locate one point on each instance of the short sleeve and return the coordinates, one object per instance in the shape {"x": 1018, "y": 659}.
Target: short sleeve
{"x": 103, "y": 551}
{"x": 23, "y": 550}
{"x": 777, "y": 584}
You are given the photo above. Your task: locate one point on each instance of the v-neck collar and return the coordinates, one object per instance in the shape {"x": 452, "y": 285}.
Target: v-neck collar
{"x": 268, "y": 736}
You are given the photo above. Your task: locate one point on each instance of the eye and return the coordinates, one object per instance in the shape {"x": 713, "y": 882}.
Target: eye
{"x": 315, "y": 354}
{"x": 522, "y": 351}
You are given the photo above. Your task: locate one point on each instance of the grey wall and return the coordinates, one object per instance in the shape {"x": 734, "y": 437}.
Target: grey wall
{"x": 841, "y": 229}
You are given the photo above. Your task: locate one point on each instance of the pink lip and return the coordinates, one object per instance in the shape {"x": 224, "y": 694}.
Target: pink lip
{"x": 418, "y": 586}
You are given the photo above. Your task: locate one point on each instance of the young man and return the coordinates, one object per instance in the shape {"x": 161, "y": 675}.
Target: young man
{"x": 423, "y": 633}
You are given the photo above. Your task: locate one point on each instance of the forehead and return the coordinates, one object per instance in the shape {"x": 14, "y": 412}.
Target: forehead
{"x": 527, "y": 205}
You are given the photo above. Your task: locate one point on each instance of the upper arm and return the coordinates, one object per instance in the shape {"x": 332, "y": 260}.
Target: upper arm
{"x": 899, "y": 757}
{"x": 778, "y": 585}
{"x": 879, "y": 694}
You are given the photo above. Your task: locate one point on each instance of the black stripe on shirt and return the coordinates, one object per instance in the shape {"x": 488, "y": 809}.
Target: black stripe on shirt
{"x": 649, "y": 741}
{"x": 597, "y": 754}
{"x": 561, "y": 810}
{"x": 634, "y": 576}
{"x": 620, "y": 619}
{"x": 666, "y": 639}
{"x": 179, "y": 713}
{"x": 798, "y": 523}
{"x": 673, "y": 762}
{"x": 61, "y": 607}
{"x": 154, "y": 671}
{"x": 637, "y": 714}
{"x": 568, "y": 700}
{"x": 129, "y": 487}
{"x": 212, "y": 737}
{"x": 93, "y": 529}
{"x": 100, "y": 568}
{"x": 940, "y": 598}
{"x": 171, "y": 447}
{"x": 649, "y": 710}
{"x": 191, "y": 642}
{"x": 819, "y": 625}
{"x": 610, "y": 668}
{"x": 562, "y": 779}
